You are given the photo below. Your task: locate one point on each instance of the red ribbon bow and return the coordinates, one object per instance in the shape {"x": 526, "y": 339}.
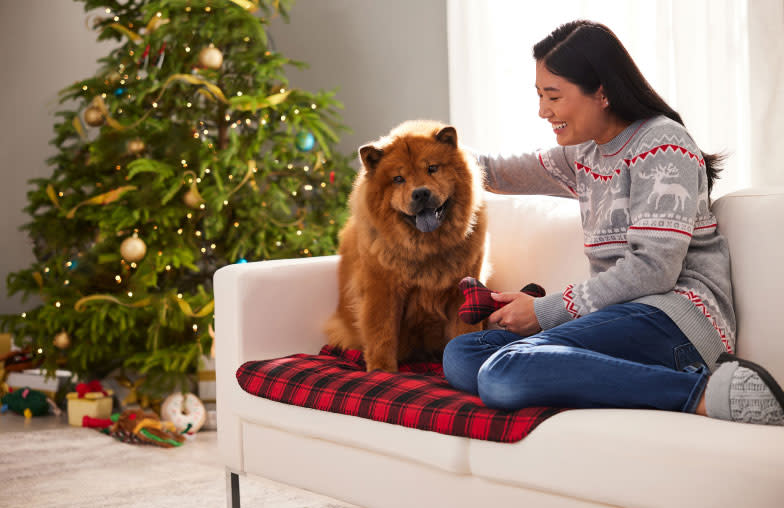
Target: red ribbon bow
{"x": 92, "y": 386}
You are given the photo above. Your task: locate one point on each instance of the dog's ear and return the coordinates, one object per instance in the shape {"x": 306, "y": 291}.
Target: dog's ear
{"x": 447, "y": 135}
{"x": 370, "y": 156}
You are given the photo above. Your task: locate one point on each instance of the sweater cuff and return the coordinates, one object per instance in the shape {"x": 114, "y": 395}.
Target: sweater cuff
{"x": 551, "y": 311}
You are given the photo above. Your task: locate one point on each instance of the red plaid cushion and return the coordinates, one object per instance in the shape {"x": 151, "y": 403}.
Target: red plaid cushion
{"x": 418, "y": 396}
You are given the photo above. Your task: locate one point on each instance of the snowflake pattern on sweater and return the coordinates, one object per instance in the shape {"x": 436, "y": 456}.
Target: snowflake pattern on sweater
{"x": 649, "y": 234}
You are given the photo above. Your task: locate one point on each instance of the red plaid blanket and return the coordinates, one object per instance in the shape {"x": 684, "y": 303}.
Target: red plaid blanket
{"x": 418, "y": 396}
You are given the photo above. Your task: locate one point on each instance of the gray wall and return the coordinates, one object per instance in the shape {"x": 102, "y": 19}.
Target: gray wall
{"x": 387, "y": 59}
{"x": 45, "y": 46}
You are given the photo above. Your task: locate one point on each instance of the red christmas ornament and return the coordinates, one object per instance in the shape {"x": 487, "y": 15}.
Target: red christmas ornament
{"x": 331, "y": 177}
{"x": 161, "y": 54}
{"x": 145, "y": 57}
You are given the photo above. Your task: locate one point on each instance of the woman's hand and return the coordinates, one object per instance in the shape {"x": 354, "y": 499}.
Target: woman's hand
{"x": 517, "y": 316}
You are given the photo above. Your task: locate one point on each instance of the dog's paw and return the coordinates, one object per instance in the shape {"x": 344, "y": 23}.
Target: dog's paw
{"x": 383, "y": 365}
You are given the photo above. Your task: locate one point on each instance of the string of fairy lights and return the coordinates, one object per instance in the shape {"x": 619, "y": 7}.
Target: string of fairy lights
{"x": 133, "y": 249}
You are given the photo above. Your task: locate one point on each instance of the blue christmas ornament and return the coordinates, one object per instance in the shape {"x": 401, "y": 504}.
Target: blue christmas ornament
{"x": 119, "y": 92}
{"x": 305, "y": 141}
{"x": 73, "y": 265}
{"x": 241, "y": 261}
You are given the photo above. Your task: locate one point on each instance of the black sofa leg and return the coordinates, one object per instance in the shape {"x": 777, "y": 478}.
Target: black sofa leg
{"x": 232, "y": 489}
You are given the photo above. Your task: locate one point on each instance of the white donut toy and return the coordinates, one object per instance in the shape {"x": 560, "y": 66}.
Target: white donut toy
{"x": 185, "y": 411}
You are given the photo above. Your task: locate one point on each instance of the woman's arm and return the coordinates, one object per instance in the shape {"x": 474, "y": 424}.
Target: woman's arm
{"x": 545, "y": 172}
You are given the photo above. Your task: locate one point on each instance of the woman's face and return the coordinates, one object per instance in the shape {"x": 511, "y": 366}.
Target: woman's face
{"x": 575, "y": 117}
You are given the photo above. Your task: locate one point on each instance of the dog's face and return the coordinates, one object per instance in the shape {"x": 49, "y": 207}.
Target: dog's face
{"x": 416, "y": 179}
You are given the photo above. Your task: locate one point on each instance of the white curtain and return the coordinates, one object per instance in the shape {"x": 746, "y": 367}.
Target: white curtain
{"x": 766, "y": 76}
{"x": 693, "y": 52}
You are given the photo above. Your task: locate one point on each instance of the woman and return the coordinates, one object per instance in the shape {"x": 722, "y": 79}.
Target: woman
{"x": 654, "y": 326}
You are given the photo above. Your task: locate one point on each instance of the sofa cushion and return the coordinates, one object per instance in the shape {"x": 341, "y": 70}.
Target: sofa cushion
{"x": 417, "y": 397}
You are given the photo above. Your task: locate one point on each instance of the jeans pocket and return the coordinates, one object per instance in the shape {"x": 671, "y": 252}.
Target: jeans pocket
{"x": 685, "y": 355}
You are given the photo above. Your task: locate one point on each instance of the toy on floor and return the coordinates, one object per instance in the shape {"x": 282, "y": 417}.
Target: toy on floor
{"x": 99, "y": 423}
{"x": 479, "y": 304}
{"x": 185, "y": 411}
{"x": 28, "y": 402}
{"x": 137, "y": 426}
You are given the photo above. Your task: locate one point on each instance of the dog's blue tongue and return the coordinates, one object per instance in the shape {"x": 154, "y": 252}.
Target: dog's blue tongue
{"x": 426, "y": 220}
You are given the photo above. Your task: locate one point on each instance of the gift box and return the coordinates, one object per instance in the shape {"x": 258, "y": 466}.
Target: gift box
{"x": 207, "y": 379}
{"x": 5, "y": 343}
{"x": 211, "y": 423}
{"x": 37, "y": 379}
{"x": 92, "y": 404}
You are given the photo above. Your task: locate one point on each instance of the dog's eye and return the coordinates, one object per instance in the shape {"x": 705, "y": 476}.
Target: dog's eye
{"x": 398, "y": 179}
{"x": 432, "y": 168}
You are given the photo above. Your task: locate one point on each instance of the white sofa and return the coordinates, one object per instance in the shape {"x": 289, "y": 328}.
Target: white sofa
{"x": 575, "y": 458}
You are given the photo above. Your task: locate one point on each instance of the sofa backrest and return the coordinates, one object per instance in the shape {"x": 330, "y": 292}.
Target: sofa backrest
{"x": 534, "y": 239}
{"x": 539, "y": 239}
{"x": 752, "y": 220}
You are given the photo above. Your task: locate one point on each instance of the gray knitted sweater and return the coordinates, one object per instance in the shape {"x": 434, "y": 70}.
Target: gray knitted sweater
{"x": 648, "y": 231}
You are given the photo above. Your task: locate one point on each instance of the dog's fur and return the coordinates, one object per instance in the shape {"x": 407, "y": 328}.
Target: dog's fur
{"x": 402, "y": 257}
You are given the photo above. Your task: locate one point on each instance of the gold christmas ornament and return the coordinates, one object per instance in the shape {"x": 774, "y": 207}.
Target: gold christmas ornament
{"x": 135, "y": 146}
{"x": 62, "y": 340}
{"x": 192, "y": 199}
{"x": 133, "y": 249}
{"x": 211, "y": 57}
{"x": 93, "y": 116}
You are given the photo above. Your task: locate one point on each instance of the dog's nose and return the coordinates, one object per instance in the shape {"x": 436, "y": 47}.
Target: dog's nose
{"x": 420, "y": 195}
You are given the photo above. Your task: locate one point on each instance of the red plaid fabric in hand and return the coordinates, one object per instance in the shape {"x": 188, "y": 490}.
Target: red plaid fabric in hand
{"x": 479, "y": 304}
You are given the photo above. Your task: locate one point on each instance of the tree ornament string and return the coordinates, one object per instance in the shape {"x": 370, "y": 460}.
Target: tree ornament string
{"x": 186, "y": 309}
{"x": 248, "y": 175}
{"x": 101, "y": 199}
{"x": 248, "y": 5}
{"x": 79, "y": 306}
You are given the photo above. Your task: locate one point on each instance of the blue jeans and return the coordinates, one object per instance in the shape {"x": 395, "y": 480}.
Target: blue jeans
{"x": 628, "y": 355}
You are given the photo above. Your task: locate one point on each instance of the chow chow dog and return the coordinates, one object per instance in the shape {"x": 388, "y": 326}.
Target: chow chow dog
{"x": 417, "y": 227}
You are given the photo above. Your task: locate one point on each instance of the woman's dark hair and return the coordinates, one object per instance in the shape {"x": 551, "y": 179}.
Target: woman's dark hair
{"x": 590, "y": 55}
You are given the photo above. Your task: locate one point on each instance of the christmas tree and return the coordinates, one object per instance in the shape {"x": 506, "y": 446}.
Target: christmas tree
{"x": 185, "y": 152}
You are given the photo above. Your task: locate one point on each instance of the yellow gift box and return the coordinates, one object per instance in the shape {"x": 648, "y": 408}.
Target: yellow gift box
{"x": 93, "y": 404}
{"x": 5, "y": 343}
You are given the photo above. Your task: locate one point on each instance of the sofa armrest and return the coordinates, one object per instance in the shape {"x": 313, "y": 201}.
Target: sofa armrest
{"x": 263, "y": 310}
{"x": 270, "y": 309}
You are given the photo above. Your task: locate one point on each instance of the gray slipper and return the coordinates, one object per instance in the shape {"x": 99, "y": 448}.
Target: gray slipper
{"x": 743, "y": 391}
